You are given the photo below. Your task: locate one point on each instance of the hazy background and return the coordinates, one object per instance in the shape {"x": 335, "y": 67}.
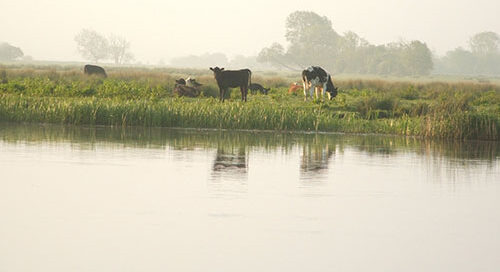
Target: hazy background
{"x": 160, "y": 30}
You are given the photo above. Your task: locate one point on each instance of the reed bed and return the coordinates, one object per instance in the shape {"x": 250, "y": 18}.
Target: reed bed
{"x": 144, "y": 98}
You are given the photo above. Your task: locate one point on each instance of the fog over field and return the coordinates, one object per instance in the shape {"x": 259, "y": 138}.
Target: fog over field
{"x": 160, "y": 30}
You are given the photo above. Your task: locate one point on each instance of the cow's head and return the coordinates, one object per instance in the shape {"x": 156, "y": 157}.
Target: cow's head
{"x": 332, "y": 93}
{"x": 331, "y": 89}
{"x": 216, "y": 69}
{"x": 266, "y": 91}
{"x": 180, "y": 81}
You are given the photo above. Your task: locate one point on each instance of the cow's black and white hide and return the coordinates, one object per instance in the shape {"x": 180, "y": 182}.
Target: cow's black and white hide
{"x": 315, "y": 78}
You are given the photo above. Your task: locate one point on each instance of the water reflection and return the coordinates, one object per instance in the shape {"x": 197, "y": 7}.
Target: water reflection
{"x": 233, "y": 149}
{"x": 315, "y": 157}
{"x": 232, "y": 161}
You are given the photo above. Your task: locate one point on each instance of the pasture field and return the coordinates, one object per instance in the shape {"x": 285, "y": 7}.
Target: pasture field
{"x": 144, "y": 97}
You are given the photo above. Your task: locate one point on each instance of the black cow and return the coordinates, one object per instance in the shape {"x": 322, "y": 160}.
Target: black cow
{"x": 232, "y": 79}
{"x": 94, "y": 70}
{"x": 315, "y": 77}
{"x": 191, "y": 82}
{"x": 254, "y": 87}
{"x": 180, "y": 81}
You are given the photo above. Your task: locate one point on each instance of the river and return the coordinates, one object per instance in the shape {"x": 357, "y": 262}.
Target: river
{"x": 141, "y": 199}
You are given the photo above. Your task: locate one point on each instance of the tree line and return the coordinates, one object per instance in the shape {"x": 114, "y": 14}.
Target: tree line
{"x": 482, "y": 57}
{"x": 312, "y": 40}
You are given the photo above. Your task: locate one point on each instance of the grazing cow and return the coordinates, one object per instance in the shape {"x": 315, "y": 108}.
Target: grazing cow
{"x": 94, "y": 70}
{"x": 254, "y": 87}
{"x": 315, "y": 77}
{"x": 294, "y": 87}
{"x": 232, "y": 79}
{"x": 191, "y": 82}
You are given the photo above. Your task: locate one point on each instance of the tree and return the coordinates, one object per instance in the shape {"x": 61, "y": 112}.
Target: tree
{"x": 459, "y": 61}
{"x": 9, "y": 52}
{"x": 485, "y": 47}
{"x": 119, "y": 49}
{"x": 485, "y": 43}
{"x": 275, "y": 55}
{"x": 312, "y": 39}
{"x": 417, "y": 58}
{"x": 92, "y": 45}
{"x": 350, "y": 57}
{"x": 203, "y": 61}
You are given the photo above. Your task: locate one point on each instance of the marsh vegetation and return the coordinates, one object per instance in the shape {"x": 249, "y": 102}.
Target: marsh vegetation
{"x": 144, "y": 97}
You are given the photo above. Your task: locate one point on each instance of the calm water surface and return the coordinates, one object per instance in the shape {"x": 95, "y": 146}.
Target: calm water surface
{"x": 100, "y": 199}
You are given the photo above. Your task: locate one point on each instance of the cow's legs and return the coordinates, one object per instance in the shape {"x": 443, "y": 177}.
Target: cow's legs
{"x": 323, "y": 91}
{"x": 305, "y": 90}
{"x": 222, "y": 92}
{"x": 244, "y": 91}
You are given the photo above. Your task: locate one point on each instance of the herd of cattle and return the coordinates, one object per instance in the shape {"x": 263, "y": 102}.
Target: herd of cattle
{"x": 315, "y": 82}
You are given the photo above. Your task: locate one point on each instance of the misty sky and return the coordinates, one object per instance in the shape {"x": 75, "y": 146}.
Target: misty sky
{"x": 45, "y": 29}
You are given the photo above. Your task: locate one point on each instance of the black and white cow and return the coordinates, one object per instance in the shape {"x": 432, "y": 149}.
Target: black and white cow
{"x": 231, "y": 79}
{"x": 315, "y": 77}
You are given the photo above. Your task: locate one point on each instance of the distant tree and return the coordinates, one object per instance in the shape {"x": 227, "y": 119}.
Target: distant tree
{"x": 240, "y": 61}
{"x": 311, "y": 38}
{"x": 276, "y": 56}
{"x": 483, "y": 58}
{"x": 9, "y": 52}
{"x": 351, "y": 55}
{"x": 417, "y": 58}
{"x": 458, "y": 61}
{"x": 27, "y": 58}
{"x": 312, "y": 41}
{"x": 119, "y": 49}
{"x": 92, "y": 45}
{"x": 485, "y": 48}
{"x": 370, "y": 57}
{"x": 202, "y": 61}
{"x": 485, "y": 43}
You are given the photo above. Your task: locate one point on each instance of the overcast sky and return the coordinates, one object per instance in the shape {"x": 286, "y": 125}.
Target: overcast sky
{"x": 162, "y": 29}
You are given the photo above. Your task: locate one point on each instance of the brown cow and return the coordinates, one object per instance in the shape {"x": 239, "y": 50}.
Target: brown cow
{"x": 181, "y": 89}
{"x": 294, "y": 87}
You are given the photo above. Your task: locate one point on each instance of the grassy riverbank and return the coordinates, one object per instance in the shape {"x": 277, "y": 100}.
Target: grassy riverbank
{"x": 144, "y": 98}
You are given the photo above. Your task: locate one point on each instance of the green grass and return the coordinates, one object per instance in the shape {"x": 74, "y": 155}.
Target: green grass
{"x": 128, "y": 97}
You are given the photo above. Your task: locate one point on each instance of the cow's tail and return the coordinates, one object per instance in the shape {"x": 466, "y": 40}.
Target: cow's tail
{"x": 249, "y": 78}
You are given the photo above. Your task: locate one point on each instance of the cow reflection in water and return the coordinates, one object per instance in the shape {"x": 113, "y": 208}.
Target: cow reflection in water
{"x": 315, "y": 158}
{"x": 232, "y": 161}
